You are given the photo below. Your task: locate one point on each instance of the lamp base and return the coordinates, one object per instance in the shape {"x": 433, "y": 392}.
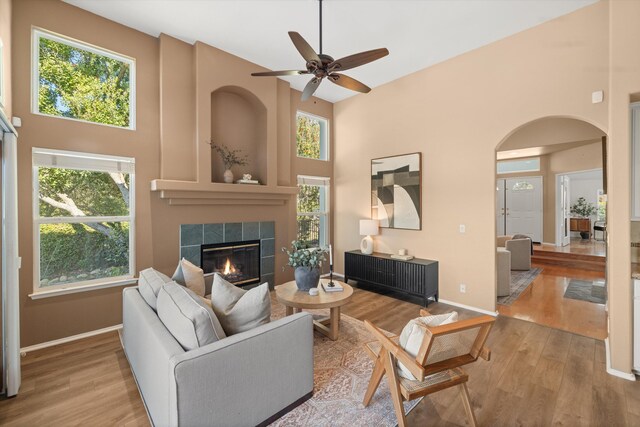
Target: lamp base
{"x": 366, "y": 246}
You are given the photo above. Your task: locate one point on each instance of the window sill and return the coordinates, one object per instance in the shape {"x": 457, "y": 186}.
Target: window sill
{"x": 82, "y": 288}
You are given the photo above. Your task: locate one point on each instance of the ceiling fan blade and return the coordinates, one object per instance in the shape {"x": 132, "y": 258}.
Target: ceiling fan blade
{"x": 357, "y": 59}
{"x": 281, "y": 73}
{"x": 349, "y": 83}
{"x": 310, "y": 88}
{"x": 304, "y": 48}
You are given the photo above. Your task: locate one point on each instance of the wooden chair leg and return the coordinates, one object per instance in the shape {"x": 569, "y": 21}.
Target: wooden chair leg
{"x": 466, "y": 402}
{"x": 394, "y": 386}
{"x": 374, "y": 382}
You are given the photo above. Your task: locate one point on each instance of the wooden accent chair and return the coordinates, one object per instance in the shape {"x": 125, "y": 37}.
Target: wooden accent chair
{"x": 437, "y": 365}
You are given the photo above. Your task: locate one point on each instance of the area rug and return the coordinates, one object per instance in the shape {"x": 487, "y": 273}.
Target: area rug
{"x": 341, "y": 374}
{"x": 520, "y": 280}
{"x": 587, "y": 290}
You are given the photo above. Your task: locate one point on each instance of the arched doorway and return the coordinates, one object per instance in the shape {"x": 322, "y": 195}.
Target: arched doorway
{"x": 551, "y": 186}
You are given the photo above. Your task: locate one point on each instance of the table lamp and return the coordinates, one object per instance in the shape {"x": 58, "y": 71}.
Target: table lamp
{"x": 368, "y": 228}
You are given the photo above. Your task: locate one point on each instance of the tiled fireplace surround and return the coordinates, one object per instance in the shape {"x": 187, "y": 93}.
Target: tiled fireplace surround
{"x": 194, "y": 235}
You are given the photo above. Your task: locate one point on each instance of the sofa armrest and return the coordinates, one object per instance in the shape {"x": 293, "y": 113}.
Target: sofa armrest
{"x": 501, "y": 241}
{"x": 245, "y": 378}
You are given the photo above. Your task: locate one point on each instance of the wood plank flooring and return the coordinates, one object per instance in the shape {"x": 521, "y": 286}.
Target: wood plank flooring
{"x": 537, "y": 376}
{"x": 544, "y": 303}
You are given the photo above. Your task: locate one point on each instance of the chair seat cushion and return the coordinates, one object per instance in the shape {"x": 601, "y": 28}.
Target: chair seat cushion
{"x": 240, "y": 310}
{"x": 191, "y": 321}
{"x": 149, "y": 285}
{"x": 413, "y": 335}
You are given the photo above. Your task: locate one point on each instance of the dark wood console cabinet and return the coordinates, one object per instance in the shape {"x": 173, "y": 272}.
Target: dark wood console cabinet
{"x": 417, "y": 277}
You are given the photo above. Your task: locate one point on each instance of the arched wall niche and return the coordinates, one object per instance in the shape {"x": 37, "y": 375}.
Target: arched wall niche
{"x": 239, "y": 121}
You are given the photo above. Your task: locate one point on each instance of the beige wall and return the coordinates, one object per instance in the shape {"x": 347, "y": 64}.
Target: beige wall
{"x": 173, "y": 124}
{"x": 547, "y": 71}
{"x": 5, "y": 37}
{"x": 586, "y": 157}
{"x": 624, "y": 80}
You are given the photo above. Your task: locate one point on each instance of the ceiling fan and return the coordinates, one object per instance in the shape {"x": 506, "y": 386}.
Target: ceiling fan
{"x": 322, "y": 65}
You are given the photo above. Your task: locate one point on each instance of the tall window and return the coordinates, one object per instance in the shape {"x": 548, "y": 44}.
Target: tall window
{"x": 312, "y": 136}
{"x": 82, "y": 82}
{"x": 83, "y": 219}
{"x": 313, "y": 210}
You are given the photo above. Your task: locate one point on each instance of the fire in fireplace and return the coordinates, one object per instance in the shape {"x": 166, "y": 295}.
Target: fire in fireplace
{"x": 237, "y": 262}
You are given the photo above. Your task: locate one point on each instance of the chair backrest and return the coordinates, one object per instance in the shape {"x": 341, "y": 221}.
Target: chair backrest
{"x": 455, "y": 344}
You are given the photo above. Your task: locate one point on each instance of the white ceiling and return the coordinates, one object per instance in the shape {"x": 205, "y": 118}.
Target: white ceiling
{"x": 417, "y": 33}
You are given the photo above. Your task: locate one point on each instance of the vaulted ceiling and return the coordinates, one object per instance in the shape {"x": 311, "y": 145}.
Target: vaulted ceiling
{"x": 417, "y": 33}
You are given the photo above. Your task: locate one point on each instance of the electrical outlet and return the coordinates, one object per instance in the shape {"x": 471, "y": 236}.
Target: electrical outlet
{"x": 463, "y": 228}
{"x": 463, "y": 288}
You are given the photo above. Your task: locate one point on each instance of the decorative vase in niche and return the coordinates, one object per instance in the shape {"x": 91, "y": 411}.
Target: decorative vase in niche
{"x": 307, "y": 278}
{"x": 228, "y": 176}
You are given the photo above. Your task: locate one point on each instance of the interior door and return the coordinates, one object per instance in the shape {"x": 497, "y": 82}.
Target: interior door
{"x": 500, "y": 208}
{"x": 524, "y": 207}
{"x": 565, "y": 210}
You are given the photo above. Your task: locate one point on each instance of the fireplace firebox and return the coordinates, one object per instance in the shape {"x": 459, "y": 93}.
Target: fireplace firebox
{"x": 236, "y": 262}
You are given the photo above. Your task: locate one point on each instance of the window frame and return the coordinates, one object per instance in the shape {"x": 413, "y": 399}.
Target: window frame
{"x": 327, "y": 133}
{"x": 38, "y": 33}
{"x": 326, "y": 213}
{"x": 2, "y": 89}
{"x": 38, "y": 220}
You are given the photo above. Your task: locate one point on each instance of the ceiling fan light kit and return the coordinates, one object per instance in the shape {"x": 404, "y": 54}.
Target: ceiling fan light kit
{"x": 322, "y": 65}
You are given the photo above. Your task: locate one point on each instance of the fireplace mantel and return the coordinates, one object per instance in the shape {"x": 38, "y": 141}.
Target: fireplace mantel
{"x": 195, "y": 193}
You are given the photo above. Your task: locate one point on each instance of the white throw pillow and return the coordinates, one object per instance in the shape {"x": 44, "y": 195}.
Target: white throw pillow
{"x": 149, "y": 285}
{"x": 240, "y": 310}
{"x": 413, "y": 334}
{"x": 190, "y": 275}
{"x": 191, "y": 322}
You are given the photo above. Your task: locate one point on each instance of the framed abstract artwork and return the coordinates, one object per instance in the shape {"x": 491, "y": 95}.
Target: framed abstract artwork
{"x": 396, "y": 191}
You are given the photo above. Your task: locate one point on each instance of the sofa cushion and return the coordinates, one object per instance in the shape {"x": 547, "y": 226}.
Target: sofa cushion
{"x": 190, "y": 275}
{"x": 413, "y": 334}
{"x": 149, "y": 285}
{"x": 191, "y": 322}
{"x": 240, "y": 310}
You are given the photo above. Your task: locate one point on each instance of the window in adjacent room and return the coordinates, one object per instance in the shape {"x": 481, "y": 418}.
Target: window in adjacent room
{"x": 313, "y": 210}
{"x": 519, "y": 165}
{"x": 78, "y": 81}
{"x": 312, "y": 136}
{"x": 83, "y": 219}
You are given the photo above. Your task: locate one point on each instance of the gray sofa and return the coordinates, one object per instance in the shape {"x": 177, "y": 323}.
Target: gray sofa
{"x": 246, "y": 379}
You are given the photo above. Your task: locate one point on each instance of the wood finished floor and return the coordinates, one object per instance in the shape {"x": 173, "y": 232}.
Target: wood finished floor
{"x": 578, "y": 246}
{"x": 536, "y": 376}
{"x": 543, "y": 302}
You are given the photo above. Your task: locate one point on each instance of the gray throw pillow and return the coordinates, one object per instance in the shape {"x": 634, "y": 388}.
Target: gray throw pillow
{"x": 191, "y": 322}
{"x": 190, "y": 275}
{"x": 240, "y": 310}
{"x": 149, "y": 285}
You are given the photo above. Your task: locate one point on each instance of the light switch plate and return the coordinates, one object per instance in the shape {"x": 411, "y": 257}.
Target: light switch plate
{"x": 597, "y": 97}
{"x": 463, "y": 228}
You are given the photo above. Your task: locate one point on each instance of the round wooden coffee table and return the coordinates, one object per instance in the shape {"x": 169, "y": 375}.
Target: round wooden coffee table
{"x": 296, "y": 300}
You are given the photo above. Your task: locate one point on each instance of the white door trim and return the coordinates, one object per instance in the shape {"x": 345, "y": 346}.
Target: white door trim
{"x": 558, "y": 214}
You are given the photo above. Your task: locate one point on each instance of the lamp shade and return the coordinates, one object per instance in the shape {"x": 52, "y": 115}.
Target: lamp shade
{"x": 368, "y": 227}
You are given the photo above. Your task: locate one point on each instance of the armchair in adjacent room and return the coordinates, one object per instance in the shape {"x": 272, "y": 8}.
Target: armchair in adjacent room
{"x": 520, "y": 248}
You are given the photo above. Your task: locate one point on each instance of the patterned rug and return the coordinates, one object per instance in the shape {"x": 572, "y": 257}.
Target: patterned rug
{"x": 520, "y": 280}
{"x": 587, "y": 290}
{"x": 341, "y": 374}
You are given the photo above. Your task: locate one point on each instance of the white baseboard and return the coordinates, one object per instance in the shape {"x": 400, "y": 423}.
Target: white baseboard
{"x": 548, "y": 244}
{"x": 620, "y": 374}
{"x": 468, "y": 307}
{"x": 25, "y": 350}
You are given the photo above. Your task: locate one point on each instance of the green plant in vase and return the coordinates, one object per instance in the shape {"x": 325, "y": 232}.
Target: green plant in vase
{"x": 230, "y": 158}
{"x": 306, "y": 262}
{"x": 583, "y": 209}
